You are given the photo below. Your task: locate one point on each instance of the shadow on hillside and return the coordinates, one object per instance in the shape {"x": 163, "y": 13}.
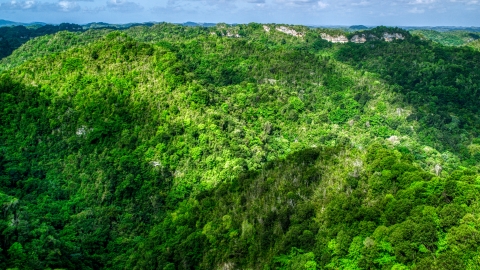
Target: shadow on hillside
{"x": 440, "y": 82}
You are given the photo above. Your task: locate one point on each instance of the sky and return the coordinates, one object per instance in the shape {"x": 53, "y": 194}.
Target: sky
{"x": 306, "y": 12}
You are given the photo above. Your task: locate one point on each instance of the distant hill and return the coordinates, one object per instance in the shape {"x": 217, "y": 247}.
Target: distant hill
{"x": 97, "y": 25}
{"x": 7, "y": 23}
{"x": 190, "y": 24}
{"x": 10, "y": 23}
{"x": 13, "y": 37}
{"x": 254, "y": 146}
{"x": 448, "y": 38}
{"x": 474, "y": 44}
{"x": 358, "y": 27}
{"x": 443, "y": 28}
{"x": 92, "y": 25}
{"x": 198, "y": 24}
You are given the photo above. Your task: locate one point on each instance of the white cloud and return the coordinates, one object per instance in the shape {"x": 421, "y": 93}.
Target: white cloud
{"x": 299, "y": 3}
{"x": 67, "y": 6}
{"x": 416, "y": 10}
{"x": 373, "y": 12}
{"x": 422, "y": 2}
{"x": 362, "y": 3}
{"x": 123, "y": 6}
{"x": 468, "y": 2}
{"x": 322, "y": 5}
{"x": 30, "y": 5}
{"x": 93, "y": 10}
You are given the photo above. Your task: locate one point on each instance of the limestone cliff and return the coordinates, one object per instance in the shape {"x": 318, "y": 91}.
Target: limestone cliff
{"x": 358, "y": 39}
{"x": 390, "y": 37}
{"x": 362, "y": 38}
{"x": 289, "y": 31}
{"x": 334, "y": 39}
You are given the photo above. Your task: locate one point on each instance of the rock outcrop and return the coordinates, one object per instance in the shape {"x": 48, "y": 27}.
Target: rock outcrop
{"x": 289, "y": 31}
{"x": 232, "y": 35}
{"x": 361, "y": 38}
{"x": 394, "y": 139}
{"x": 334, "y": 39}
{"x": 390, "y": 37}
{"x": 358, "y": 39}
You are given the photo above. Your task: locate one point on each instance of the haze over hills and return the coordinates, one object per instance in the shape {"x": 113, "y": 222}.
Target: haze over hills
{"x": 10, "y": 23}
{"x": 13, "y": 38}
{"x": 207, "y": 24}
{"x": 245, "y": 146}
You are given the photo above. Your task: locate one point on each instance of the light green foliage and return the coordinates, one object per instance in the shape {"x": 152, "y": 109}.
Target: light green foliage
{"x": 474, "y": 44}
{"x": 297, "y": 259}
{"x": 50, "y": 44}
{"x": 171, "y": 147}
{"x": 17, "y": 254}
{"x": 448, "y": 38}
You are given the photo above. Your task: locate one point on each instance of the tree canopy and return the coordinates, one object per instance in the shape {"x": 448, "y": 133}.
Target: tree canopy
{"x": 238, "y": 146}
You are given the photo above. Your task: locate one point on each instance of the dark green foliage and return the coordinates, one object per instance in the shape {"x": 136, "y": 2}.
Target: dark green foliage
{"x": 441, "y": 82}
{"x": 238, "y": 220}
{"x": 13, "y": 37}
{"x": 172, "y": 147}
{"x": 448, "y": 38}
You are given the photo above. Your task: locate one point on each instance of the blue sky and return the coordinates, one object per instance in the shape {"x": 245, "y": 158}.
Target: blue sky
{"x": 310, "y": 12}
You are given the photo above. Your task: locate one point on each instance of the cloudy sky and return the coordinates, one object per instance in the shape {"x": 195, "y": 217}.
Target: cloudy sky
{"x": 311, "y": 12}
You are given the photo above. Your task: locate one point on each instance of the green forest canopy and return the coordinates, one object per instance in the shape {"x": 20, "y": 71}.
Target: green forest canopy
{"x": 172, "y": 147}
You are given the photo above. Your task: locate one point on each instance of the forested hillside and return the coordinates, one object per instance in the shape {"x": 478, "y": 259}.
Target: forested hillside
{"x": 239, "y": 147}
{"x": 475, "y": 44}
{"x": 448, "y": 38}
{"x": 13, "y": 37}
{"x": 17, "y": 34}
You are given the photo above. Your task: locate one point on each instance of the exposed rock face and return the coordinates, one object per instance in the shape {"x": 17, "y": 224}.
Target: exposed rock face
{"x": 358, "y": 39}
{"x": 390, "y": 37}
{"x": 394, "y": 139}
{"x": 361, "y": 38}
{"x": 399, "y": 111}
{"x": 155, "y": 163}
{"x": 437, "y": 169}
{"x": 266, "y": 28}
{"x": 289, "y": 31}
{"x": 233, "y": 35}
{"x": 270, "y": 81}
{"x": 337, "y": 39}
{"x": 357, "y": 168}
{"x": 83, "y": 130}
{"x": 227, "y": 266}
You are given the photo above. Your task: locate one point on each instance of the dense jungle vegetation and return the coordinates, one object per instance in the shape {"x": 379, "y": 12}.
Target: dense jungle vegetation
{"x": 449, "y": 38}
{"x": 238, "y": 147}
{"x": 12, "y": 38}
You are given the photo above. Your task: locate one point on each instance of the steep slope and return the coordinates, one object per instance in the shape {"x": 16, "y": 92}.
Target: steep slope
{"x": 448, "y": 38}
{"x": 49, "y": 44}
{"x": 64, "y": 40}
{"x": 13, "y": 37}
{"x": 441, "y": 82}
{"x": 474, "y": 44}
{"x": 195, "y": 148}
{"x": 305, "y": 213}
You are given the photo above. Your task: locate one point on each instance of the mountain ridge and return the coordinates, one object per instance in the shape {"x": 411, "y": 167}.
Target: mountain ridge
{"x": 173, "y": 147}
